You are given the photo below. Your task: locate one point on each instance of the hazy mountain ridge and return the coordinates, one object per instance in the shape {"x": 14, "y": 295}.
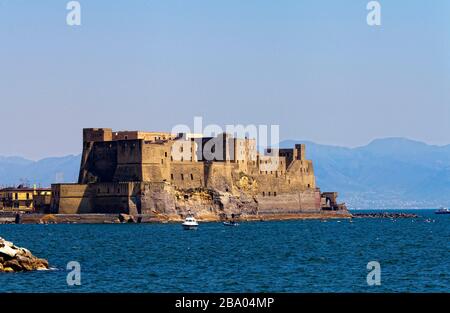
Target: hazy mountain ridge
{"x": 17, "y": 170}
{"x": 390, "y": 172}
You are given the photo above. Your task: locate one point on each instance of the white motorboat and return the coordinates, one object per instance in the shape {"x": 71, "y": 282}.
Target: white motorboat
{"x": 443, "y": 211}
{"x": 190, "y": 223}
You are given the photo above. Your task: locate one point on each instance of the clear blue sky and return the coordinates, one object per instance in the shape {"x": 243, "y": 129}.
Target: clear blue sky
{"x": 314, "y": 67}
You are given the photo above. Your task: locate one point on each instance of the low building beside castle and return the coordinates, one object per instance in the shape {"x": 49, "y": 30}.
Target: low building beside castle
{"x": 25, "y": 199}
{"x": 165, "y": 175}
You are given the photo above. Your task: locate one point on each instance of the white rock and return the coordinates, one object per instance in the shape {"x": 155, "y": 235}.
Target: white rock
{"x": 6, "y": 250}
{"x": 8, "y": 243}
{"x": 25, "y": 251}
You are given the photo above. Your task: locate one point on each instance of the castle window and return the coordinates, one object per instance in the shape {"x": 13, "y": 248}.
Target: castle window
{"x": 171, "y": 176}
{"x": 28, "y": 196}
{"x": 182, "y": 177}
{"x": 165, "y": 154}
{"x": 162, "y": 161}
{"x": 274, "y": 193}
{"x": 269, "y": 194}
{"x": 264, "y": 194}
{"x": 192, "y": 177}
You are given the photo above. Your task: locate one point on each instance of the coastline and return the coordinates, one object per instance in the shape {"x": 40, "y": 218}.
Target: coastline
{"x": 36, "y": 218}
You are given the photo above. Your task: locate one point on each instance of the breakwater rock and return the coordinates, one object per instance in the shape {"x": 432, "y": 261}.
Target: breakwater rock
{"x": 385, "y": 215}
{"x": 17, "y": 259}
{"x": 202, "y": 216}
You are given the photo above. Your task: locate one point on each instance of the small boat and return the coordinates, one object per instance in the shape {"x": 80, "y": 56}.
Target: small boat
{"x": 231, "y": 223}
{"x": 190, "y": 223}
{"x": 442, "y": 211}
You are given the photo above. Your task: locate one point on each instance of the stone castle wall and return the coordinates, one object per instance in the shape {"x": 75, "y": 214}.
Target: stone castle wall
{"x": 162, "y": 173}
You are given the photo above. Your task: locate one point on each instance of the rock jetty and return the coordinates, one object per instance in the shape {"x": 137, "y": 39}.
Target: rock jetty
{"x": 385, "y": 215}
{"x": 17, "y": 259}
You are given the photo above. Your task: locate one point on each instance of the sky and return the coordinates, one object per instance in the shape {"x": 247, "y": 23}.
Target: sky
{"x": 316, "y": 68}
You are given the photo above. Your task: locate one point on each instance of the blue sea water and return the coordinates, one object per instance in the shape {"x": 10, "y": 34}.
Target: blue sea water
{"x": 281, "y": 256}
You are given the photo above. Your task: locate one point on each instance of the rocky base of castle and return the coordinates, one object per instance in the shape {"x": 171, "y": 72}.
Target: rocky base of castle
{"x": 168, "y": 204}
{"x": 17, "y": 259}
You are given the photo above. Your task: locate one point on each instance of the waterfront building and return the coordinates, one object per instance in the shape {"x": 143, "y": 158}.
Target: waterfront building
{"x": 23, "y": 198}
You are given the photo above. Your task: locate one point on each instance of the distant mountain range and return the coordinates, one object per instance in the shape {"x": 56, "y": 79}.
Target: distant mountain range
{"x": 386, "y": 173}
{"x": 390, "y": 172}
{"x": 18, "y": 170}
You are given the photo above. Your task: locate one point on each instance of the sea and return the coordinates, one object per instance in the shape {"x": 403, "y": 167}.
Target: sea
{"x": 410, "y": 255}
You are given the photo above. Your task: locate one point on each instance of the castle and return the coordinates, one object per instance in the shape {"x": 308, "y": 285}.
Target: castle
{"x": 162, "y": 174}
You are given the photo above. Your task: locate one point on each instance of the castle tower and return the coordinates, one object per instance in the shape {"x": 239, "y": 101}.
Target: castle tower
{"x": 97, "y": 134}
{"x": 299, "y": 152}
